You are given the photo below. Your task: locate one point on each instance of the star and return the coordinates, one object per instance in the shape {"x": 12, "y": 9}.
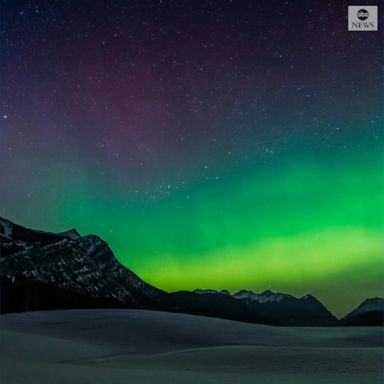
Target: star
{"x": 172, "y": 112}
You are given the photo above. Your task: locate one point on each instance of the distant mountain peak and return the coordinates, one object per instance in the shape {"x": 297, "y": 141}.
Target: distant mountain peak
{"x": 368, "y": 305}
{"x": 308, "y": 297}
{"x": 211, "y": 292}
{"x": 72, "y": 234}
{"x": 377, "y": 300}
{"x": 263, "y": 297}
{"x": 369, "y": 312}
{"x": 281, "y": 308}
{"x": 70, "y": 264}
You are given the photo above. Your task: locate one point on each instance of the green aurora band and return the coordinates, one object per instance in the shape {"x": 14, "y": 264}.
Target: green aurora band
{"x": 230, "y": 146}
{"x": 295, "y": 225}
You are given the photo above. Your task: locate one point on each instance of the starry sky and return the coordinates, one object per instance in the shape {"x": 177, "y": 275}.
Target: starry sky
{"x": 213, "y": 144}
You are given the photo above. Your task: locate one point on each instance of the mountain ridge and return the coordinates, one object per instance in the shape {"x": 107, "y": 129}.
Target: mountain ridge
{"x": 369, "y": 312}
{"x": 83, "y": 271}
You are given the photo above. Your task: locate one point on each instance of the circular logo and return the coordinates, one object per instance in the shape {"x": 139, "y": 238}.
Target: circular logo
{"x": 362, "y": 14}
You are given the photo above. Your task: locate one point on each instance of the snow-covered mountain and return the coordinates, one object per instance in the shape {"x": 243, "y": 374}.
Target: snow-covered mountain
{"x": 369, "y": 312}
{"x": 280, "y": 307}
{"x": 369, "y": 305}
{"x": 83, "y": 265}
{"x": 211, "y": 292}
{"x": 46, "y": 270}
{"x": 264, "y": 297}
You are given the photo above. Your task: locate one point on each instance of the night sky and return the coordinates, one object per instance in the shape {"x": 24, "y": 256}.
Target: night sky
{"x": 213, "y": 144}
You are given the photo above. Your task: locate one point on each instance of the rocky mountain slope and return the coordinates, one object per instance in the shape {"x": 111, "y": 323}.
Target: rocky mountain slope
{"x": 279, "y": 307}
{"x": 369, "y": 312}
{"x": 81, "y": 265}
{"x": 44, "y": 270}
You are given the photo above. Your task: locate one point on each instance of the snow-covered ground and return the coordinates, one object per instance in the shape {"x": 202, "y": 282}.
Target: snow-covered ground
{"x": 134, "y": 346}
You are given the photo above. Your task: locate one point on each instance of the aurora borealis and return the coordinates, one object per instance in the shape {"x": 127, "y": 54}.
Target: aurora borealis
{"x": 216, "y": 144}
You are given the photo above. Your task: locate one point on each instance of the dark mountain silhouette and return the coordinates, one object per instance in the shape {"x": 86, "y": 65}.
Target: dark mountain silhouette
{"x": 278, "y": 308}
{"x": 369, "y": 312}
{"x": 44, "y": 270}
{"x": 222, "y": 306}
{"x": 294, "y": 310}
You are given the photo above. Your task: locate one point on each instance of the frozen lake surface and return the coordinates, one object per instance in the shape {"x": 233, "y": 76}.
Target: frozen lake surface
{"x": 136, "y": 346}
